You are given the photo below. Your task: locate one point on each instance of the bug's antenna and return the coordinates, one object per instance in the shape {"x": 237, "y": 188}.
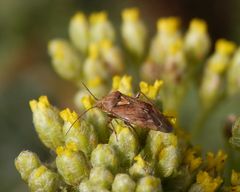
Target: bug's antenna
{"x": 90, "y": 91}
{"x": 78, "y": 119}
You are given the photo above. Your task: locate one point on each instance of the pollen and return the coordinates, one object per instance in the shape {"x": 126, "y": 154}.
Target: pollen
{"x": 87, "y": 101}
{"x": 131, "y": 14}
{"x": 79, "y": 17}
{"x": 123, "y": 84}
{"x": 40, "y": 171}
{"x": 42, "y": 103}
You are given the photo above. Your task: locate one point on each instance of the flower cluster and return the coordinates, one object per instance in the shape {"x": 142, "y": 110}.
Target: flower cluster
{"x": 95, "y": 154}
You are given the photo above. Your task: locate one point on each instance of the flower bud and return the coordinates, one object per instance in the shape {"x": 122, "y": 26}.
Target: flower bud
{"x": 101, "y": 177}
{"x": 43, "y": 179}
{"x": 149, "y": 184}
{"x": 81, "y": 133}
{"x": 100, "y": 27}
{"x": 71, "y": 164}
{"x": 235, "y": 139}
{"x": 47, "y": 122}
{"x": 123, "y": 84}
{"x": 65, "y": 60}
{"x": 233, "y": 77}
{"x": 112, "y": 56}
{"x": 141, "y": 168}
{"x": 93, "y": 66}
{"x": 123, "y": 183}
{"x": 205, "y": 183}
{"x": 125, "y": 142}
{"x": 79, "y": 32}
{"x": 197, "y": 41}
{"x": 104, "y": 155}
{"x": 26, "y": 162}
{"x": 133, "y": 31}
{"x": 87, "y": 186}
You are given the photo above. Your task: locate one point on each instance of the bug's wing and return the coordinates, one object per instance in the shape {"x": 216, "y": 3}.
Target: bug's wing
{"x": 134, "y": 113}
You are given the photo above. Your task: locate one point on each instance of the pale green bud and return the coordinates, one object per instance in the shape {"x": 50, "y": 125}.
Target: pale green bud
{"x": 149, "y": 184}
{"x": 87, "y": 186}
{"x": 168, "y": 161}
{"x": 72, "y": 165}
{"x": 168, "y": 34}
{"x": 125, "y": 142}
{"x": 197, "y": 41}
{"x": 133, "y": 31}
{"x": 100, "y": 27}
{"x": 42, "y": 179}
{"x": 25, "y": 163}
{"x": 47, "y": 122}
{"x": 235, "y": 139}
{"x": 141, "y": 168}
{"x": 65, "y": 59}
{"x": 123, "y": 183}
{"x": 81, "y": 133}
{"x": 101, "y": 177}
{"x": 105, "y": 155}
{"x": 93, "y": 66}
{"x": 112, "y": 56}
{"x": 79, "y": 32}
{"x": 233, "y": 77}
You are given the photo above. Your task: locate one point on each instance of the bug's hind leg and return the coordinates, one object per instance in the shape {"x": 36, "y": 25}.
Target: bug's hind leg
{"x": 111, "y": 126}
{"x": 132, "y": 129}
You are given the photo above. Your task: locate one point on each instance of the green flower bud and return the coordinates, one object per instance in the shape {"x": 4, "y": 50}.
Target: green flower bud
{"x": 149, "y": 184}
{"x": 65, "y": 59}
{"x": 47, "y": 122}
{"x": 141, "y": 168}
{"x": 168, "y": 161}
{"x": 235, "y": 139}
{"x": 163, "y": 147}
{"x": 97, "y": 118}
{"x": 133, "y": 31}
{"x": 93, "y": 66}
{"x": 100, "y": 27}
{"x": 213, "y": 83}
{"x": 82, "y": 134}
{"x": 112, "y": 56}
{"x": 78, "y": 31}
{"x": 87, "y": 186}
{"x": 125, "y": 142}
{"x": 101, "y": 177}
{"x": 168, "y": 33}
{"x": 197, "y": 41}
{"x": 233, "y": 77}
{"x": 42, "y": 179}
{"x": 105, "y": 155}
{"x": 123, "y": 183}
{"x": 26, "y": 162}
{"x": 71, "y": 164}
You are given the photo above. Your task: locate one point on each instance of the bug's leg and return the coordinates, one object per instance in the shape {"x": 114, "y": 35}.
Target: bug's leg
{"x": 133, "y": 130}
{"x": 111, "y": 126}
{"x": 141, "y": 93}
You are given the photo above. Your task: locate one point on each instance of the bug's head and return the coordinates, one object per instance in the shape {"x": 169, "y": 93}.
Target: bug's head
{"x": 109, "y": 101}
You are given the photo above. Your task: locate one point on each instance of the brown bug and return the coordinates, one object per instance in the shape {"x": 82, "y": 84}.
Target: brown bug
{"x": 132, "y": 111}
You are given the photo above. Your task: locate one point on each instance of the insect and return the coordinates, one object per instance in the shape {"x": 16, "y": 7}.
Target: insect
{"x": 132, "y": 111}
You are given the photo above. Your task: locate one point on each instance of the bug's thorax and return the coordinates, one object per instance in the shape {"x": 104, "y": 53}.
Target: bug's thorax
{"x": 109, "y": 101}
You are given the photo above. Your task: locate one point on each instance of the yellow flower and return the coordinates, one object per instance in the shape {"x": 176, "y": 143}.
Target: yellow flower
{"x": 198, "y": 25}
{"x": 225, "y": 47}
{"x": 151, "y": 91}
{"x": 208, "y": 183}
{"x": 235, "y": 178}
{"x": 87, "y": 101}
{"x": 191, "y": 160}
{"x": 131, "y": 14}
{"x": 123, "y": 84}
{"x": 168, "y": 25}
{"x": 70, "y": 117}
{"x": 216, "y": 162}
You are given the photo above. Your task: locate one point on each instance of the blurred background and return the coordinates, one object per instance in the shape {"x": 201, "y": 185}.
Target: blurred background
{"x": 26, "y": 26}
